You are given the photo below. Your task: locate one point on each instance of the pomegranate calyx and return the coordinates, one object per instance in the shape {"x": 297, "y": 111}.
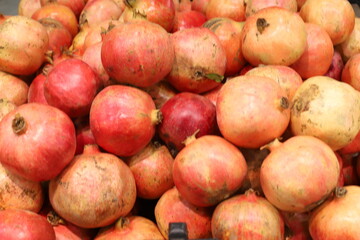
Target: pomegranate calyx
{"x": 122, "y": 222}
{"x": 191, "y": 138}
{"x": 54, "y": 219}
{"x": 156, "y": 116}
{"x": 340, "y": 192}
{"x": 19, "y": 124}
{"x": 261, "y": 24}
{"x": 272, "y": 145}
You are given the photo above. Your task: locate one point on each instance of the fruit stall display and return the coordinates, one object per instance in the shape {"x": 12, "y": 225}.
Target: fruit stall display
{"x": 180, "y": 119}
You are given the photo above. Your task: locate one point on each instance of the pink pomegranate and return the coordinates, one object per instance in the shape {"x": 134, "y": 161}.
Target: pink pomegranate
{"x": 128, "y": 57}
{"x": 36, "y": 141}
{"x": 248, "y": 106}
{"x": 94, "y": 190}
{"x": 208, "y": 170}
{"x": 131, "y": 228}
{"x": 312, "y": 160}
{"x": 152, "y": 170}
{"x": 71, "y": 86}
{"x": 188, "y": 19}
{"x": 184, "y": 115}
{"x": 247, "y": 216}
{"x": 123, "y": 119}
{"x": 200, "y": 61}
{"x": 172, "y": 207}
{"x": 17, "y": 224}
{"x": 161, "y": 12}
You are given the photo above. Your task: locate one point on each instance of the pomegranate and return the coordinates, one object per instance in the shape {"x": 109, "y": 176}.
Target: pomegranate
{"x": 229, "y": 33}
{"x": 352, "y": 147}
{"x": 200, "y": 60}
{"x": 123, "y": 119}
{"x": 94, "y": 190}
{"x": 253, "y": 6}
{"x": 78, "y": 44}
{"x": 336, "y": 67}
{"x": 318, "y": 54}
{"x": 337, "y": 218}
{"x": 188, "y": 19}
{"x": 199, "y": 5}
{"x": 36, "y": 141}
{"x": 318, "y": 105}
{"x": 5, "y": 107}
{"x": 182, "y": 5}
{"x": 59, "y": 12}
{"x": 97, "y": 11}
{"x": 19, "y": 193}
{"x": 71, "y": 86}
{"x": 128, "y": 57}
{"x": 208, "y": 170}
{"x": 152, "y": 170}
{"x": 24, "y": 42}
{"x": 247, "y": 216}
{"x": 131, "y": 228}
{"x": 36, "y": 90}
{"x": 298, "y": 223}
{"x": 233, "y": 9}
{"x": 75, "y": 5}
{"x": 59, "y": 37}
{"x": 350, "y": 73}
{"x": 336, "y": 17}
{"x": 98, "y": 31}
{"x": 267, "y": 40}
{"x": 172, "y": 207}
{"x": 13, "y": 89}
{"x": 306, "y": 158}
{"x": 160, "y": 92}
{"x": 161, "y": 12}
{"x": 28, "y": 7}
{"x": 351, "y": 46}
{"x": 84, "y": 135}
{"x": 286, "y": 77}
{"x": 17, "y": 224}
{"x": 183, "y": 115}
{"x": 212, "y": 94}
{"x": 248, "y": 106}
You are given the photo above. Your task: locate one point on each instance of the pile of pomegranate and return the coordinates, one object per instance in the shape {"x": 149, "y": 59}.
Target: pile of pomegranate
{"x": 240, "y": 118}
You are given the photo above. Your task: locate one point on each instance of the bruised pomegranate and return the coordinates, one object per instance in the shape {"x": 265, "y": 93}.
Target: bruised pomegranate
{"x": 172, "y": 207}
{"x": 13, "y": 89}
{"x": 247, "y": 216}
{"x": 337, "y": 218}
{"x": 286, "y": 77}
{"x": 128, "y": 57}
{"x": 122, "y": 119}
{"x": 200, "y": 60}
{"x": 161, "y": 12}
{"x": 336, "y": 17}
{"x": 19, "y": 193}
{"x": 36, "y": 141}
{"x": 248, "y": 106}
{"x": 131, "y": 228}
{"x": 208, "y": 170}
{"x": 229, "y": 33}
{"x": 341, "y": 101}
{"x": 17, "y": 224}
{"x": 152, "y": 170}
{"x": 306, "y": 158}
{"x": 94, "y": 190}
{"x": 183, "y": 115}
{"x": 266, "y": 39}
{"x": 24, "y": 42}
{"x": 71, "y": 86}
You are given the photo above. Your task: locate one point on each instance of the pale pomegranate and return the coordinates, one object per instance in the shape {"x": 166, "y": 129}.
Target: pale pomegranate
{"x": 5, "y": 107}
{"x": 253, "y": 6}
{"x": 306, "y": 158}
{"x": 13, "y": 89}
{"x": 351, "y": 45}
{"x": 28, "y": 7}
{"x": 232, "y": 9}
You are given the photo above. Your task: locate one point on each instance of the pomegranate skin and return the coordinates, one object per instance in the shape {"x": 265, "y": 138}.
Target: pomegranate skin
{"x": 183, "y": 115}
{"x": 36, "y": 141}
{"x": 16, "y": 224}
{"x": 36, "y": 90}
{"x": 120, "y": 119}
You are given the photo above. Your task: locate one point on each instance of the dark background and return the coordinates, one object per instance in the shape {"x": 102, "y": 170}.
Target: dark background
{"x": 9, "y": 7}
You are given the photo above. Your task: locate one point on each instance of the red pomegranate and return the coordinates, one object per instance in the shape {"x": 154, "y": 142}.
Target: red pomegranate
{"x": 172, "y": 207}
{"x": 71, "y": 86}
{"x": 36, "y": 90}
{"x": 36, "y": 141}
{"x": 248, "y": 106}
{"x": 184, "y": 115}
{"x": 94, "y": 190}
{"x": 247, "y": 216}
{"x": 200, "y": 60}
{"x": 306, "y": 158}
{"x": 123, "y": 119}
{"x": 208, "y": 170}
{"x": 128, "y": 57}
{"x": 17, "y": 224}
{"x": 188, "y": 19}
